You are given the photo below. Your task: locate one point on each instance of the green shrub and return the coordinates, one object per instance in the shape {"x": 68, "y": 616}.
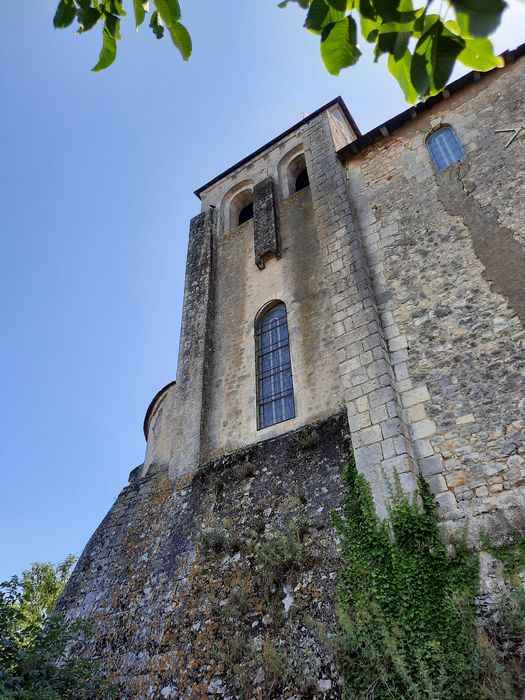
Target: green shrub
{"x": 281, "y": 550}
{"x": 308, "y": 439}
{"x": 220, "y": 536}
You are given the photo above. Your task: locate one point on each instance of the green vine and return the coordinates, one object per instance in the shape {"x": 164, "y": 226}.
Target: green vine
{"x": 406, "y": 602}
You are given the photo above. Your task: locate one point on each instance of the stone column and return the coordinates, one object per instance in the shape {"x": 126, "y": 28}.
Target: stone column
{"x": 191, "y": 395}
{"x": 380, "y": 439}
{"x": 266, "y": 236}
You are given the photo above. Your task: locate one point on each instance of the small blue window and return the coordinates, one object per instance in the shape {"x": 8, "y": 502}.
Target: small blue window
{"x": 445, "y": 148}
{"x": 275, "y": 400}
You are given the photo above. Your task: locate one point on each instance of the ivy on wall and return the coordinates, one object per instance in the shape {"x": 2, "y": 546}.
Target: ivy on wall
{"x": 407, "y": 601}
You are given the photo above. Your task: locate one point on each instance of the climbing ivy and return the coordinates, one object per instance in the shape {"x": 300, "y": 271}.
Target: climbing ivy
{"x": 406, "y": 601}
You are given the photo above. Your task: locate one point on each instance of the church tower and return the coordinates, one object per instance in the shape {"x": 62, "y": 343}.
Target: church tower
{"x": 281, "y": 326}
{"x": 344, "y": 293}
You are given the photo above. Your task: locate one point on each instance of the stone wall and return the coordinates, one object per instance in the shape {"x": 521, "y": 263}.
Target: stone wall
{"x": 382, "y": 448}
{"x": 241, "y": 289}
{"x": 447, "y": 260}
{"x": 190, "y": 398}
{"x": 185, "y": 585}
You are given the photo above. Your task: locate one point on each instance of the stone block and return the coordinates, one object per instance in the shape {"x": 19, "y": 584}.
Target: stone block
{"x": 359, "y": 421}
{"x": 431, "y": 465}
{"x": 371, "y": 435}
{"x": 466, "y": 419}
{"x": 446, "y": 500}
{"x": 422, "y": 429}
{"x": 391, "y": 427}
{"x": 368, "y": 456}
{"x": 398, "y": 343}
{"x": 414, "y": 396}
{"x": 437, "y": 484}
{"x": 381, "y": 396}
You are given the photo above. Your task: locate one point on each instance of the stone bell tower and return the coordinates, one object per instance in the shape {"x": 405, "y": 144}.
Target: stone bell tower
{"x": 277, "y": 228}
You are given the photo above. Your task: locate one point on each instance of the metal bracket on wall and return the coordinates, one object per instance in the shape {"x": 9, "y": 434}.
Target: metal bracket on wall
{"x": 515, "y": 132}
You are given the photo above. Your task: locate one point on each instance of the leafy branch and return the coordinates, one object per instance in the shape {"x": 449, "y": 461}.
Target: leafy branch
{"x": 108, "y": 13}
{"x": 422, "y": 44}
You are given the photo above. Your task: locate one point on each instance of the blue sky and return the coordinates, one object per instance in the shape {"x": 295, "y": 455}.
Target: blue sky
{"x": 96, "y": 191}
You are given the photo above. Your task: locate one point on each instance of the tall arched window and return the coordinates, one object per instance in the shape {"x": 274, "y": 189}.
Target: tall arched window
{"x": 275, "y": 401}
{"x": 444, "y": 147}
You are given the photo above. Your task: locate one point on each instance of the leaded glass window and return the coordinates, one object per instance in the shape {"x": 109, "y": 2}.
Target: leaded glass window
{"x": 275, "y": 400}
{"x": 445, "y": 147}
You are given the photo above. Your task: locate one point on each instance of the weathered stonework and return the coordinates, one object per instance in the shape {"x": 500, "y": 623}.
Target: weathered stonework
{"x": 448, "y": 269}
{"x": 190, "y": 396}
{"x": 168, "y": 608}
{"x": 265, "y": 233}
{"x": 405, "y": 303}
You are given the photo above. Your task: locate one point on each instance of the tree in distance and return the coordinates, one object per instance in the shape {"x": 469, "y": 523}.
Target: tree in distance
{"x": 37, "y": 659}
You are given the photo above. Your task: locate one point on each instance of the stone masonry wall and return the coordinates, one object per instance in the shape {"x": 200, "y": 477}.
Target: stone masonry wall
{"x": 185, "y": 585}
{"x": 447, "y": 261}
{"x": 241, "y": 290}
{"x": 382, "y": 448}
{"x": 190, "y": 401}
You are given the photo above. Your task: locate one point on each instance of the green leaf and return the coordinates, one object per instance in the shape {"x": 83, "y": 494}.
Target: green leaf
{"x": 140, "y": 12}
{"x": 391, "y": 11}
{"x": 479, "y": 54}
{"x": 156, "y": 25}
{"x": 339, "y": 45}
{"x": 369, "y": 29}
{"x": 368, "y": 19}
{"x": 181, "y": 38}
{"x": 392, "y": 39}
{"x": 478, "y": 18}
{"x": 433, "y": 59}
{"x": 400, "y": 69}
{"x": 339, "y": 5}
{"x": 110, "y": 34}
{"x": 320, "y": 15}
{"x": 112, "y": 25}
{"x": 366, "y": 9}
{"x": 169, "y": 11}
{"x": 114, "y": 7}
{"x": 87, "y": 18}
{"x": 65, "y": 14}
{"x": 302, "y": 3}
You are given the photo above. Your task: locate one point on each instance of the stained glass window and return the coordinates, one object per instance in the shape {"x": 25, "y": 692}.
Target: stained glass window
{"x": 275, "y": 400}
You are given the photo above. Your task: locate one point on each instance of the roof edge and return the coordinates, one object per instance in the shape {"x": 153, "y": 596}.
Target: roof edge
{"x": 153, "y": 404}
{"x": 387, "y": 128}
{"x": 336, "y": 101}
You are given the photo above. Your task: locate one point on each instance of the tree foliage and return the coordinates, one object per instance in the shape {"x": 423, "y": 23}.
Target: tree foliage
{"x": 422, "y": 44}
{"x": 36, "y": 645}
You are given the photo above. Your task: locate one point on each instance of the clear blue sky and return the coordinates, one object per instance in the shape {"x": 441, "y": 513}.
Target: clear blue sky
{"x": 97, "y": 177}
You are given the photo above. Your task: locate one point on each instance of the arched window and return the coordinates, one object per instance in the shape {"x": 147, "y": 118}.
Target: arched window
{"x": 302, "y": 181}
{"x": 275, "y": 400}
{"x": 246, "y": 213}
{"x": 297, "y": 174}
{"x": 240, "y": 208}
{"x": 445, "y": 147}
